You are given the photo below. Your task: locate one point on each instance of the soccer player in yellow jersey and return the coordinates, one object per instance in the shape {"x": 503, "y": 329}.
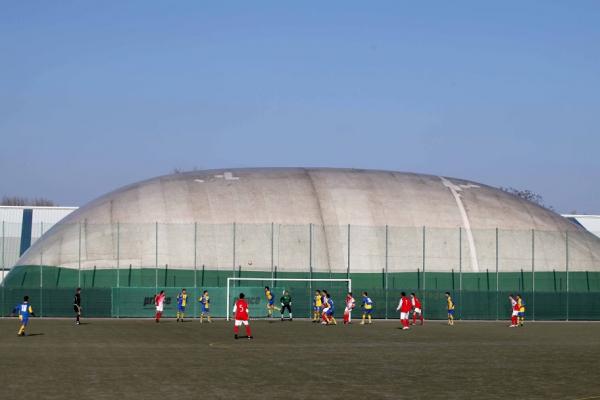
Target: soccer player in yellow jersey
{"x": 521, "y": 306}
{"x": 317, "y": 306}
{"x": 181, "y": 304}
{"x": 205, "y": 305}
{"x": 367, "y": 305}
{"x": 270, "y": 302}
{"x": 450, "y": 309}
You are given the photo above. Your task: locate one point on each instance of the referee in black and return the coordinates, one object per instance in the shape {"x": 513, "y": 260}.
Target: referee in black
{"x": 77, "y": 305}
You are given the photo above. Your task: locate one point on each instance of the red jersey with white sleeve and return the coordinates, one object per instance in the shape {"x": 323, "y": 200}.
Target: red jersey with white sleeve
{"x": 350, "y": 303}
{"x": 159, "y": 299}
{"x": 241, "y": 310}
{"x": 416, "y": 303}
{"x": 405, "y": 305}
{"x": 514, "y": 304}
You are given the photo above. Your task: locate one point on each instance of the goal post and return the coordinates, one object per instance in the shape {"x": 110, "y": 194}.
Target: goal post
{"x": 348, "y": 281}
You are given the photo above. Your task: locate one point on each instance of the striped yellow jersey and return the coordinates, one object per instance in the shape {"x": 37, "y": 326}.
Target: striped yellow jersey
{"x": 318, "y": 302}
{"x": 520, "y": 304}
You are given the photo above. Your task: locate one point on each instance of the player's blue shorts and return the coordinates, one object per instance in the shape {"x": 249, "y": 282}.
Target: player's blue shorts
{"x": 367, "y": 311}
{"x": 271, "y": 302}
{"x": 205, "y": 311}
{"x": 25, "y": 320}
{"x": 330, "y": 312}
{"x": 450, "y": 312}
{"x": 181, "y": 308}
{"x": 521, "y": 314}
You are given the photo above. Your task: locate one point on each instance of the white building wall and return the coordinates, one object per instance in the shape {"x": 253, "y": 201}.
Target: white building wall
{"x": 11, "y": 218}
{"x": 589, "y": 222}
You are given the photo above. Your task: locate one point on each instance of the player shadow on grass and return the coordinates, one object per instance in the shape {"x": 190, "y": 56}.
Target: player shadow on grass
{"x": 35, "y": 334}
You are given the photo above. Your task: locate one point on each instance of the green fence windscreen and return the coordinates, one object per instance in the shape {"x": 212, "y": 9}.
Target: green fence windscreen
{"x": 129, "y": 292}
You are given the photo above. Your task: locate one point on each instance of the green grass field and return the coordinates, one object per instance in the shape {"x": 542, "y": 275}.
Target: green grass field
{"x": 139, "y": 359}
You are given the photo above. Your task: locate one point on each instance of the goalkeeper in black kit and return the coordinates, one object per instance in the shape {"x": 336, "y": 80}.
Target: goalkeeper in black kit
{"x": 286, "y": 303}
{"x": 77, "y": 305}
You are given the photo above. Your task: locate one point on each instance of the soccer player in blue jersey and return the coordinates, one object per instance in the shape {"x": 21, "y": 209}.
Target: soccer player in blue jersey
{"x": 205, "y": 307}
{"x": 367, "y": 305}
{"x": 181, "y": 304}
{"x": 328, "y": 311}
{"x": 25, "y": 311}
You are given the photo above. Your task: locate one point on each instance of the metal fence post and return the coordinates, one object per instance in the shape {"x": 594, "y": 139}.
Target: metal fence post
{"x": 117, "y": 305}
{"x": 3, "y": 251}
{"x": 348, "y": 269}
{"x": 3, "y": 272}
{"x": 310, "y": 253}
{"x": 386, "y": 271}
{"x": 194, "y": 299}
{"x": 533, "y": 272}
{"x": 310, "y": 260}
{"x": 118, "y": 255}
{"x": 41, "y": 274}
{"x": 497, "y": 278}
{"x": 233, "y": 256}
{"x": 3, "y": 265}
{"x": 156, "y": 256}
{"x": 460, "y": 271}
{"x": 195, "y": 256}
{"x": 165, "y": 280}
{"x": 272, "y": 253}
{"x": 79, "y": 258}
{"x": 423, "y": 265}
{"x": 195, "y": 270}
{"x": 567, "y": 268}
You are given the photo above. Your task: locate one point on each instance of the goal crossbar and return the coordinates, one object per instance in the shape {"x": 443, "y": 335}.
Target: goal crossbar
{"x": 348, "y": 280}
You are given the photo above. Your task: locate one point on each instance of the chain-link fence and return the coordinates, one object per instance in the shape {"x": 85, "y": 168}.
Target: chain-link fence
{"x": 120, "y": 266}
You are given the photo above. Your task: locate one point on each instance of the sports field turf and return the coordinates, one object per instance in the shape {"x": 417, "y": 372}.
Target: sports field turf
{"x": 139, "y": 359}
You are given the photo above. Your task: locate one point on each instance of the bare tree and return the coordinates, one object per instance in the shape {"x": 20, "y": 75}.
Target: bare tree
{"x": 43, "y": 202}
{"x": 24, "y": 201}
{"x": 528, "y": 195}
{"x": 13, "y": 201}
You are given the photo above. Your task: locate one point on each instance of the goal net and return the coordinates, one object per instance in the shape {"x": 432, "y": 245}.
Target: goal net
{"x": 301, "y": 290}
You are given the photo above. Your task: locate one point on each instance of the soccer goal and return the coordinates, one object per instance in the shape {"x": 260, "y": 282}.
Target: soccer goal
{"x": 348, "y": 282}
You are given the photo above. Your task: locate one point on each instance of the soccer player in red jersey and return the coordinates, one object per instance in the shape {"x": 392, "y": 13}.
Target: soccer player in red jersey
{"x": 159, "y": 300}
{"x": 514, "y": 306}
{"x": 417, "y": 309}
{"x": 350, "y": 304}
{"x": 240, "y": 315}
{"x": 404, "y": 306}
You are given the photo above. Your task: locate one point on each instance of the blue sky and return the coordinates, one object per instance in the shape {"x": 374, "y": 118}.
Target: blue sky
{"x": 96, "y": 95}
